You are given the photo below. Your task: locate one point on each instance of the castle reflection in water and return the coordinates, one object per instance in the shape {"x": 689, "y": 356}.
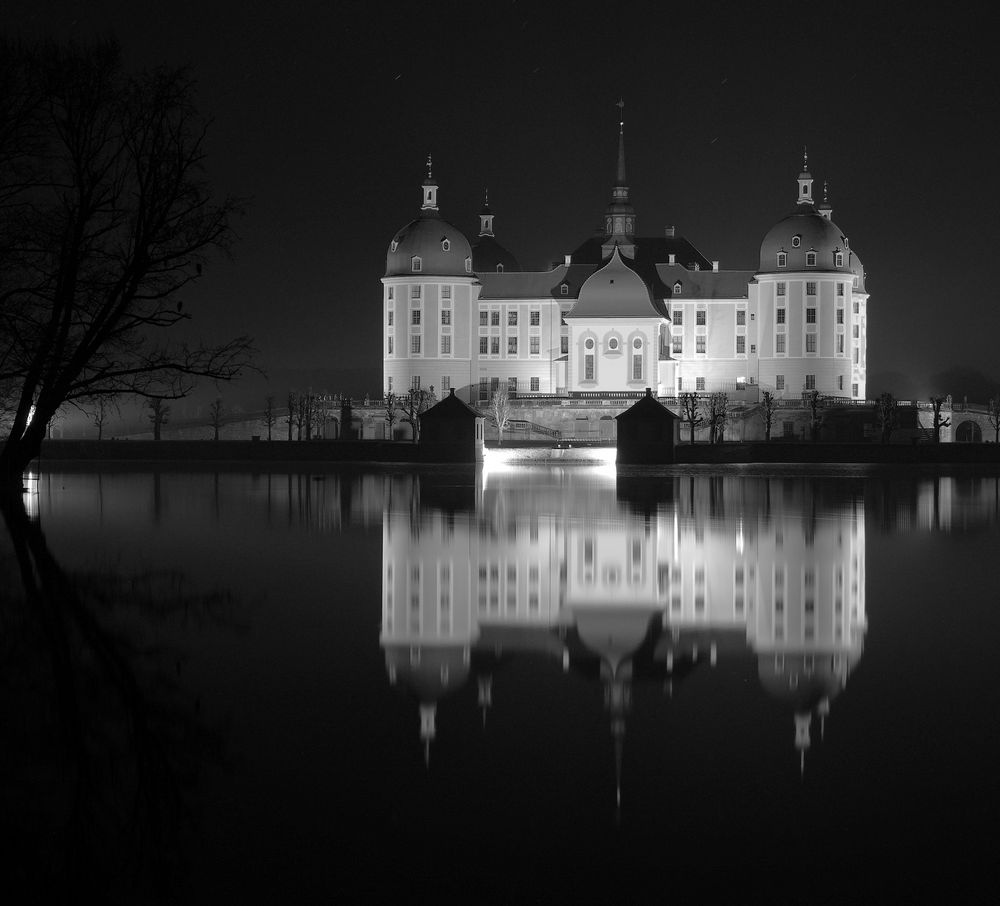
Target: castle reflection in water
{"x": 625, "y": 581}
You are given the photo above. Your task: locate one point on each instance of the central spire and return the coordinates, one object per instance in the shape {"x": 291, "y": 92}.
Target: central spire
{"x": 619, "y": 216}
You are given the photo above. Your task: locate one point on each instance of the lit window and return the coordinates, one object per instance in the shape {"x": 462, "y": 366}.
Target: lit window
{"x": 699, "y": 318}
{"x": 494, "y": 345}
{"x": 699, "y": 344}
{"x": 796, "y": 241}
{"x": 495, "y": 318}
{"x": 741, "y": 317}
{"x": 811, "y": 288}
{"x": 393, "y": 245}
{"x": 678, "y": 345}
{"x": 810, "y": 259}
{"x": 415, "y": 343}
{"x": 534, "y": 385}
{"x": 484, "y": 345}
{"x": 782, "y": 259}
{"x": 810, "y": 315}
{"x": 446, "y": 345}
{"x": 780, "y": 287}
{"x": 446, "y": 316}
{"x": 511, "y": 345}
{"x": 512, "y": 319}
{"x": 415, "y": 316}
{"x": 390, "y": 346}
{"x": 678, "y": 316}
{"x": 810, "y": 382}
{"x": 810, "y": 342}
{"x": 445, "y": 245}
{"x": 779, "y": 382}
{"x": 699, "y": 383}
{"x": 416, "y": 265}
{"x": 564, "y": 289}
{"x": 536, "y": 318}
{"x": 779, "y": 315}
{"x": 536, "y": 345}
{"x": 741, "y": 345}
{"x": 779, "y": 344}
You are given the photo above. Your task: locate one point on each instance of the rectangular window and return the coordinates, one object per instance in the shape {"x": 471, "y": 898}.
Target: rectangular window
{"x": 445, "y": 385}
{"x": 779, "y": 343}
{"x": 390, "y": 345}
{"x": 810, "y": 287}
{"x": 810, "y": 382}
{"x": 840, "y": 289}
{"x": 840, "y": 316}
{"x": 840, "y": 344}
{"x": 810, "y": 316}
{"x": 588, "y": 367}
{"x": 511, "y": 345}
{"x": 446, "y": 316}
{"x": 512, "y": 319}
{"x": 779, "y": 315}
{"x": 857, "y": 307}
{"x": 699, "y": 383}
{"x": 854, "y": 390}
{"x": 536, "y": 318}
{"x": 840, "y": 382}
{"x": 484, "y": 390}
{"x": 855, "y": 332}
{"x": 564, "y": 345}
{"x": 810, "y": 342}
{"x": 856, "y": 359}
{"x": 392, "y": 293}
{"x": 534, "y": 385}
{"x": 415, "y": 343}
{"x": 678, "y": 316}
{"x": 637, "y": 368}
{"x": 484, "y": 319}
{"x": 536, "y": 345}
{"x": 741, "y": 317}
{"x": 445, "y": 345}
{"x": 445, "y": 292}
{"x": 495, "y": 318}
{"x": 677, "y": 345}
{"x": 781, "y": 287}
{"x": 484, "y": 345}
{"x": 389, "y": 387}
{"x": 494, "y": 345}
{"x": 741, "y": 345}
{"x": 391, "y": 313}
{"x": 699, "y": 344}
{"x": 415, "y": 291}
{"x": 699, "y": 318}
{"x": 779, "y": 382}
{"x": 512, "y": 385}
{"x": 415, "y": 316}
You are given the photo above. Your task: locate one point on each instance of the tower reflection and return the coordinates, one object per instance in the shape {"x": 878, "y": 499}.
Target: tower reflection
{"x": 625, "y": 581}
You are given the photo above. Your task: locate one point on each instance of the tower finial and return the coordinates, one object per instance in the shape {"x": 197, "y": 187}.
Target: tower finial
{"x": 805, "y": 158}
{"x": 825, "y": 187}
{"x": 429, "y": 174}
{"x": 621, "y": 115}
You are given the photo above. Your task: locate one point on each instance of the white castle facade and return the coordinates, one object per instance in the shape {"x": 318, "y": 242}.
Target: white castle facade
{"x": 624, "y": 312}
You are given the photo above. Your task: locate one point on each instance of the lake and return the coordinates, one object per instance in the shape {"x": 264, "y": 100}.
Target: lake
{"x": 526, "y": 683}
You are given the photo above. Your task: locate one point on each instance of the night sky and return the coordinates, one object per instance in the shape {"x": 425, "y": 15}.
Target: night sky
{"x": 323, "y": 115}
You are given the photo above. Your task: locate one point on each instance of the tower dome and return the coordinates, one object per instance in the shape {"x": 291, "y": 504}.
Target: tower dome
{"x": 806, "y": 239}
{"x": 429, "y": 244}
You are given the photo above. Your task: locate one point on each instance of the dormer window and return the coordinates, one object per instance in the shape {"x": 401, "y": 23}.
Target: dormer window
{"x": 810, "y": 259}
{"x": 416, "y": 264}
{"x": 393, "y": 245}
{"x": 796, "y": 241}
{"x": 468, "y": 265}
{"x": 782, "y": 259}
{"x": 445, "y": 245}
{"x": 678, "y": 287}
{"x": 564, "y": 290}
{"x": 499, "y": 268}
{"x": 838, "y": 259}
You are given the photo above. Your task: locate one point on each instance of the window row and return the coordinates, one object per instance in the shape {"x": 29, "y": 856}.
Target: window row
{"x": 811, "y": 257}
{"x": 491, "y": 318}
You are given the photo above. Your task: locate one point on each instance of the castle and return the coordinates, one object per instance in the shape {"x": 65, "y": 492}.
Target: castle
{"x": 624, "y": 312}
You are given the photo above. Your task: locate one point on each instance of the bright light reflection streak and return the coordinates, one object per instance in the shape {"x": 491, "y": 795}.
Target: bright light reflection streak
{"x": 595, "y": 460}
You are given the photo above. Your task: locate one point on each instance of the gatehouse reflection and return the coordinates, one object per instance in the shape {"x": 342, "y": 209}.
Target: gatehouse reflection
{"x": 628, "y": 581}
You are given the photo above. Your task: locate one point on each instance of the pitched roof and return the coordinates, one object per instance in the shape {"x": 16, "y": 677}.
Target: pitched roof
{"x": 705, "y": 284}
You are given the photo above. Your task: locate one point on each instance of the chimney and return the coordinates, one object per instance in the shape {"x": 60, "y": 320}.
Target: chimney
{"x": 673, "y": 259}
{"x": 569, "y": 260}
{"x": 715, "y": 267}
{"x": 670, "y": 232}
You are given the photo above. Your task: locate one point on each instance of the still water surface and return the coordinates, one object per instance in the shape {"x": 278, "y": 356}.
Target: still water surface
{"x": 525, "y": 685}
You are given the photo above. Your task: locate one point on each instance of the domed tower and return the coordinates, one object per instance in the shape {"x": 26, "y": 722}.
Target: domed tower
{"x": 811, "y": 303}
{"x": 429, "y": 294}
{"x": 488, "y": 256}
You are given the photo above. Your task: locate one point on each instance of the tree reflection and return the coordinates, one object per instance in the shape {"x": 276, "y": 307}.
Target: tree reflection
{"x": 104, "y": 742}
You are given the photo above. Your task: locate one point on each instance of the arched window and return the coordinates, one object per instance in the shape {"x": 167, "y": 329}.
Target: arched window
{"x": 445, "y": 245}
{"x": 810, "y": 259}
{"x": 499, "y": 268}
{"x": 678, "y": 287}
{"x": 838, "y": 259}
{"x": 393, "y": 246}
{"x": 782, "y": 259}
{"x": 416, "y": 265}
{"x": 564, "y": 290}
